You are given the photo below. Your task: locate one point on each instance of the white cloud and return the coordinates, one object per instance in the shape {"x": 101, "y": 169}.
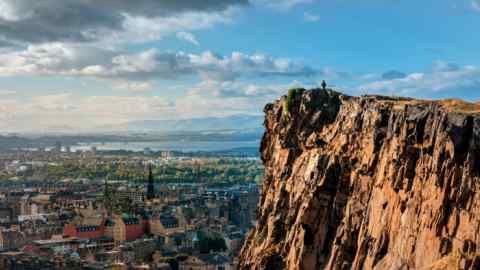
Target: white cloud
{"x": 134, "y": 86}
{"x": 476, "y": 5}
{"x": 222, "y": 91}
{"x": 235, "y": 89}
{"x": 33, "y": 22}
{"x": 283, "y": 4}
{"x": 151, "y": 64}
{"x": 87, "y": 112}
{"x": 441, "y": 66}
{"x": 189, "y": 37}
{"x": 51, "y": 59}
{"x": 8, "y": 12}
{"x": 445, "y": 79}
{"x": 142, "y": 29}
{"x": 309, "y": 17}
{"x": 78, "y": 111}
{"x": 7, "y": 92}
{"x": 197, "y": 104}
{"x": 213, "y": 98}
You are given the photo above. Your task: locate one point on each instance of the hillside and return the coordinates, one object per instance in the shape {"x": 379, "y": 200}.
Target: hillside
{"x": 368, "y": 182}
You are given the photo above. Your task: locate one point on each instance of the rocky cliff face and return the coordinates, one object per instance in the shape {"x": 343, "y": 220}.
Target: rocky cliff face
{"x": 368, "y": 183}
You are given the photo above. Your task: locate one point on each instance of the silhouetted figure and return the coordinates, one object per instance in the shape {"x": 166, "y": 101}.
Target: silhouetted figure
{"x": 324, "y": 85}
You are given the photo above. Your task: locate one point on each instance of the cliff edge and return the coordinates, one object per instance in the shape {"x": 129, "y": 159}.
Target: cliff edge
{"x": 368, "y": 182}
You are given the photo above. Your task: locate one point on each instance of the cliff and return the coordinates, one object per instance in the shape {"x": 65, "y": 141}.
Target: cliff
{"x": 368, "y": 183}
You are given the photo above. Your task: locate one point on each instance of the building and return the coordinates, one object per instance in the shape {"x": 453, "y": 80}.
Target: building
{"x": 126, "y": 228}
{"x": 206, "y": 262}
{"x": 56, "y": 245}
{"x": 11, "y": 239}
{"x": 234, "y": 242}
{"x": 134, "y": 195}
{"x": 84, "y": 231}
{"x": 87, "y": 226}
{"x": 6, "y": 214}
{"x": 161, "y": 225}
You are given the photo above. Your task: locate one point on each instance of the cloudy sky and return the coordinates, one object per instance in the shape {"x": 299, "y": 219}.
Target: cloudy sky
{"x": 84, "y": 63}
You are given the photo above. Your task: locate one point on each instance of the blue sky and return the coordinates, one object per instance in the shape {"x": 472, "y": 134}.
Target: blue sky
{"x": 78, "y": 64}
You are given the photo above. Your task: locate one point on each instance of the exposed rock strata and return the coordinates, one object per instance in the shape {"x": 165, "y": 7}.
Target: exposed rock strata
{"x": 368, "y": 183}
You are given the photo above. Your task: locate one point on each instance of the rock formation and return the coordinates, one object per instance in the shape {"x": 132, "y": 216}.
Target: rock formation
{"x": 368, "y": 182}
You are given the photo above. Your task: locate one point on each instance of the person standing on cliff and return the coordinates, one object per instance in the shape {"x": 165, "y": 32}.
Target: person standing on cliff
{"x": 324, "y": 85}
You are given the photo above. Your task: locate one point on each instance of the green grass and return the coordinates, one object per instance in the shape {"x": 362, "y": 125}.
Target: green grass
{"x": 292, "y": 95}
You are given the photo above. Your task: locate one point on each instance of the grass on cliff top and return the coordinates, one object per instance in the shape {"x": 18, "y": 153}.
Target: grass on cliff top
{"x": 459, "y": 105}
{"x": 453, "y": 104}
{"x": 292, "y": 95}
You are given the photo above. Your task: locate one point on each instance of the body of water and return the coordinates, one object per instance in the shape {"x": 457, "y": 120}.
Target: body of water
{"x": 182, "y": 146}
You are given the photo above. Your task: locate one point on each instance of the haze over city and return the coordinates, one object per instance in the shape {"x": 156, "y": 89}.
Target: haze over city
{"x": 80, "y": 65}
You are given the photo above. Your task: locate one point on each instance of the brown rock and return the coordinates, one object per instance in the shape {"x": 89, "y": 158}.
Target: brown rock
{"x": 368, "y": 183}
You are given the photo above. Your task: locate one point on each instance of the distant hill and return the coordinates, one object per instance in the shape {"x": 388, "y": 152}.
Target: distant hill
{"x": 245, "y": 123}
{"x": 8, "y": 142}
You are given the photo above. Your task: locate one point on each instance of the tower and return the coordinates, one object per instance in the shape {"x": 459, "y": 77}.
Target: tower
{"x": 150, "y": 186}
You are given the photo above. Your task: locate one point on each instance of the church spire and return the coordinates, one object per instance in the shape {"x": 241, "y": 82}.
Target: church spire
{"x": 150, "y": 186}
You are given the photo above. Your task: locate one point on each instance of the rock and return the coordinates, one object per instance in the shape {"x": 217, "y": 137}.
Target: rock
{"x": 368, "y": 182}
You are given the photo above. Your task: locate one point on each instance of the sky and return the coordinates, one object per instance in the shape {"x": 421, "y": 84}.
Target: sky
{"x": 84, "y": 64}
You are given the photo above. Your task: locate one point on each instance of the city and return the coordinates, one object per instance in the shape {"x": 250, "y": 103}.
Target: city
{"x": 145, "y": 210}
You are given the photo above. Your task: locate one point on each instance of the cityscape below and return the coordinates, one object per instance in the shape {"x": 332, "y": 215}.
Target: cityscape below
{"x": 96, "y": 209}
